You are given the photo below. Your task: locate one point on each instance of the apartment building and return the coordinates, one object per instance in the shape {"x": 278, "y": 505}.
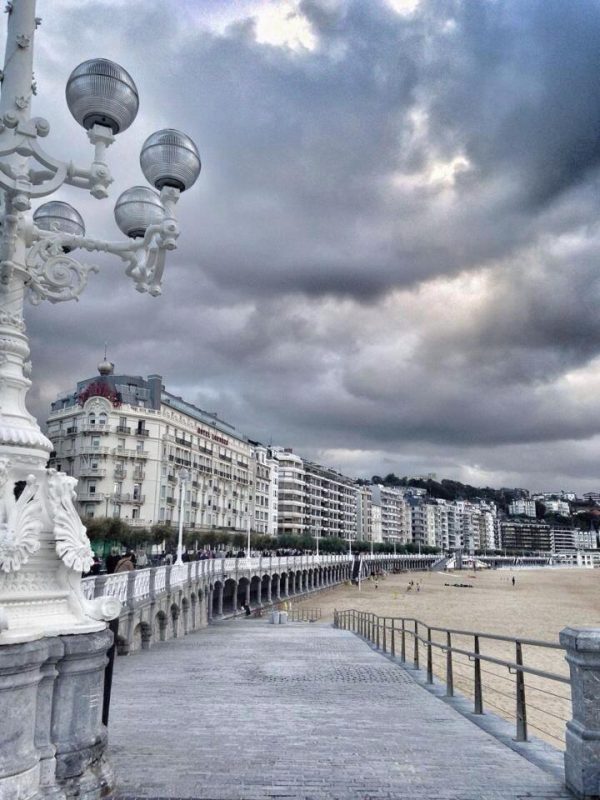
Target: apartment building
{"x": 127, "y": 440}
{"x": 292, "y": 504}
{"x": 524, "y": 508}
{"x": 395, "y": 513}
{"x": 265, "y": 478}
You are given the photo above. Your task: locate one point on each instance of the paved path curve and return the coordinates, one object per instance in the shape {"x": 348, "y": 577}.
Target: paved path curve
{"x": 248, "y": 711}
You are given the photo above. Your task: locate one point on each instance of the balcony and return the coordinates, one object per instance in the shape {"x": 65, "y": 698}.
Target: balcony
{"x": 138, "y": 475}
{"x": 171, "y": 500}
{"x": 142, "y": 432}
{"x": 172, "y": 478}
{"x": 120, "y": 473}
{"x": 125, "y": 452}
{"x": 90, "y": 472}
{"x": 128, "y": 498}
{"x": 90, "y": 497}
{"x": 88, "y": 449}
{"x": 185, "y": 442}
{"x": 124, "y": 429}
{"x": 91, "y": 427}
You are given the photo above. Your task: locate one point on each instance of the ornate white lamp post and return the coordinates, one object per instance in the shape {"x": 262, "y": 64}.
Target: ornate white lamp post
{"x": 43, "y": 545}
{"x": 248, "y": 538}
{"x": 183, "y": 477}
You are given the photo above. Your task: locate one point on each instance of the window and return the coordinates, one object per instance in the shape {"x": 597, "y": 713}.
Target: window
{"x": 95, "y": 442}
{"x": 91, "y": 418}
{"x": 103, "y": 418}
{"x": 135, "y": 513}
{"x": 137, "y": 491}
{"x": 121, "y": 444}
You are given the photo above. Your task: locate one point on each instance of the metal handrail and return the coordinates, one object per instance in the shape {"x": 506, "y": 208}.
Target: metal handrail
{"x": 382, "y": 632}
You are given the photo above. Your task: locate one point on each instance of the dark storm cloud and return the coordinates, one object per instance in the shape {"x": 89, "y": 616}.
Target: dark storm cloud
{"x": 392, "y": 246}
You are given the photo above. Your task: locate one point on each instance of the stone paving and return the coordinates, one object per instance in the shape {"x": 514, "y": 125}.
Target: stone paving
{"x": 245, "y": 710}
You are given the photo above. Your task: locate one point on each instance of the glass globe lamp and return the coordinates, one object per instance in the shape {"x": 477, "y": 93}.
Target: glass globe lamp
{"x": 136, "y": 209}
{"x": 100, "y": 92}
{"x": 170, "y": 158}
{"x": 59, "y": 217}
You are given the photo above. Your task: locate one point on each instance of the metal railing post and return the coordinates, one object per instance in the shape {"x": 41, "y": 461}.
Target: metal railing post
{"x": 520, "y": 691}
{"x": 478, "y": 706}
{"x": 416, "y": 650}
{"x": 429, "y": 657}
{"x": 403, "y": 643}
{"x": 449, "y": 672}
{"x": 385, "y": 634}
{"x": 378, "y": 626}
{"x": 393, "y": 635}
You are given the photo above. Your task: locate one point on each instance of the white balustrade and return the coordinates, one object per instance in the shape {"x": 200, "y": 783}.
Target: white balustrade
{"x": 141, "y": 588}
{"x": 88, "y": 587}
{"x": 179, "y": 573}
{"x": 160, "y": 580}
{"x": 116, "y": 586}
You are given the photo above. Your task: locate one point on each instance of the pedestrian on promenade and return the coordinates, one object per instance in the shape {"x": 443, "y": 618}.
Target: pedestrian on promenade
{"x": 111, "y": 561}
{"x": 513, "y": 580}
{"x": 125, "y": 564}
{"x": 246, "y": 608}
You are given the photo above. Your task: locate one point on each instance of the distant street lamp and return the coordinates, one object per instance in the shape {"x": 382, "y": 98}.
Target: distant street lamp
{"x": 183, "y": 477}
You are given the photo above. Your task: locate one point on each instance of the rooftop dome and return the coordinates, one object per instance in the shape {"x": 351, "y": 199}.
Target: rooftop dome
{"x": 106, "y": 367}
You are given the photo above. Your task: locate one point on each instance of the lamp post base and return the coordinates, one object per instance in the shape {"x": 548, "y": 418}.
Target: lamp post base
{"x": 51, "y": 710}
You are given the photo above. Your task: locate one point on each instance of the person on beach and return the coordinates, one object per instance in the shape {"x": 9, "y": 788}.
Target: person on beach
{"x": 513, "y": 580}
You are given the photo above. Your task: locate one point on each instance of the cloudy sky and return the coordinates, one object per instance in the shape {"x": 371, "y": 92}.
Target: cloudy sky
{"x": 390, "y": 261}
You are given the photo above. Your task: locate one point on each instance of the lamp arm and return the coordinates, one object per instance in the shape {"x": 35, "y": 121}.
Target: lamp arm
{"x": 53, "y": 274}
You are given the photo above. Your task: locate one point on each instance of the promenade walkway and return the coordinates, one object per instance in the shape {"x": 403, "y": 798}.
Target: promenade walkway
{"x": 247, "y": 711}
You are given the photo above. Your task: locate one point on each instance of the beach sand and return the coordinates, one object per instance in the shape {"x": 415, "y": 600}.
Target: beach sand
{"x": 539, "y": 606}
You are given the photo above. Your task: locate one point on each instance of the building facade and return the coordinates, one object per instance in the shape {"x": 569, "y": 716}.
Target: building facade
{"x": 127, "y": 440}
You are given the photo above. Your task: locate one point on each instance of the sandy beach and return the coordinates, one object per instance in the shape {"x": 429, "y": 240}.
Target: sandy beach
{"x": 541, "y": 603}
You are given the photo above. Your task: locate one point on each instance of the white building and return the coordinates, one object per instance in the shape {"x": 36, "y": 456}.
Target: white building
{"x": 525, "y": 508}
{"x": 291, "y": 492}
{"x": 127, "y": 439}
{"x": 557, "y": 507}
{"x": 396, "y": 523}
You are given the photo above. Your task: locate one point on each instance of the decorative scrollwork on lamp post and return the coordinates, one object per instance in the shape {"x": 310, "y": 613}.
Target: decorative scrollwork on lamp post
{"x": 43, "y": 256}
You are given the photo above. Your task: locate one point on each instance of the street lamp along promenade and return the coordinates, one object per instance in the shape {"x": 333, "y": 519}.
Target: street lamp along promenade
{"x": 183, "y": 478}
{"x": 43, "y": 545}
